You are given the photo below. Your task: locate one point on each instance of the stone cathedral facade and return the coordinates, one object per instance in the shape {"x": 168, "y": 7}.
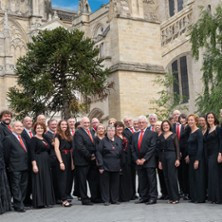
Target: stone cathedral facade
{"x": 140, "y": 40}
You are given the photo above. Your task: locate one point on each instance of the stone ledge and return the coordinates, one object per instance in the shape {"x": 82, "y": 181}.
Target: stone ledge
{"x": 137, "y": 67}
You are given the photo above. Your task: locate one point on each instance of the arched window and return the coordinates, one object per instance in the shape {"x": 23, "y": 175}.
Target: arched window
{"x": 181, "y": 79}
{"x": 179, "y": 5}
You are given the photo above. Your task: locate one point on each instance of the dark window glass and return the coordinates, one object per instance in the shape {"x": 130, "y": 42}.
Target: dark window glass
{"x": 180, "y": 5}
{"x": 184, "y": 79}
{"x": 171, "y": 7}
{"x": 176, "y": 89}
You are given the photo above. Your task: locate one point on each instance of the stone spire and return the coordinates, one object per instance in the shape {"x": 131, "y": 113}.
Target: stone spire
{"x": 84, "y": 7}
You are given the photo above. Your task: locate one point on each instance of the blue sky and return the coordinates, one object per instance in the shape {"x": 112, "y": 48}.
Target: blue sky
{"x": 73, "y": 4}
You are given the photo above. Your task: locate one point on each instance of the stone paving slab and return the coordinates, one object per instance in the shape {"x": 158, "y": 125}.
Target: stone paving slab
{"x": 125, "y": 212}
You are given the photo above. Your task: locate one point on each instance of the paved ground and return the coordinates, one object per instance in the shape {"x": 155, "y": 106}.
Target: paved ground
{"x": 125, "y": 212}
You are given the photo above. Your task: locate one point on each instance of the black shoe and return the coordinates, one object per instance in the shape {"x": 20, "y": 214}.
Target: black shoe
{"x": 140, "y": 201}
{"x": 150, "y": 202}
{"x": 116, "y": 202}
{"x": 69, "y": 197}
{"x": 106, "y": 204}
{"x": 19, "y": 210}
{"x": 88, "y": 203}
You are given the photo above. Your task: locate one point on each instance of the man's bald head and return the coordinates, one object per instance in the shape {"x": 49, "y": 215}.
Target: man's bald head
{"x": 41, "y": 118}
{"x": 27, "y": 122}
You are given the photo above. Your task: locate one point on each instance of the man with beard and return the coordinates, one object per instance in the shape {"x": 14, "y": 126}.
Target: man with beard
{"x": 5, "y": 128}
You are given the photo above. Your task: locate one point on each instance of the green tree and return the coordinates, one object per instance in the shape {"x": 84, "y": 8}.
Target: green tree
{"x": 206, "y": 38}
{"x": 168, "y": 99}
{"x": 61, "y": 72}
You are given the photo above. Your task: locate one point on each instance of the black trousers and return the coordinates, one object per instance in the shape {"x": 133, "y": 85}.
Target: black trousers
{"x": 197, "y": 181}
{"x": 170, "y": 175}
{"x": 109, "y": 182}
{"x": 91, "y": 174}
{"x": 54, "y": 169}
{"x": 19, "y": 181}
{"x": 183, "y": 176}
{"x": 133, "y": 176}
{"x": 70, "y": 182}
{"x": 63, "y": 177}
{"x": 28, "y": 200}
{"x": 148, "y": 183}
{"x": 76, "y": 191}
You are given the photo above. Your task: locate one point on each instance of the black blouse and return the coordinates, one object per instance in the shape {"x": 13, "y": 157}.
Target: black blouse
{"x": 170, "y": 144}
{"x": 2, "y": 162}
{"x": 37, "y": 146}
{"x": 195, "y": 145}
{"x": 213, "y": 141}
{"x": 109, "y": 154}
{"x": 63, "y": 143}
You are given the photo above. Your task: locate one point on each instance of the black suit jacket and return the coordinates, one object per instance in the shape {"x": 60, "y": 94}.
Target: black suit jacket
{"x": 83, "y": 147}
{"x": 147, "y": 150}
{"x": 15, "y": 157}
{"x": 4, "y": 131}
{"x": 128, "y": 134}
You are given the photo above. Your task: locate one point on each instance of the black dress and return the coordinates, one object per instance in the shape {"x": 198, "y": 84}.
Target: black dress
{"x": 169, "y": 153}
{"x": 196, "y": 177}
{"x": 5, "y": 196}
{"x": 65, "y": 176}
{"x": 42, "y": 187}
{"x": 126, "y": 186}
{"x": 214, "y": 170}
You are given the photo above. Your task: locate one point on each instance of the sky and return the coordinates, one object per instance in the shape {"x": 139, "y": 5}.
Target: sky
{"x": 73, "y": 4}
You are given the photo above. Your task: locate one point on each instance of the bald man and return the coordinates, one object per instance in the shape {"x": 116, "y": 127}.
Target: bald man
{"x": 41, "y": 118}
{"x": 85, "y": 162}
{"x": 16, "y": 158}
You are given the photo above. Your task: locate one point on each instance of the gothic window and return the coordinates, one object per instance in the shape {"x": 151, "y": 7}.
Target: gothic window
{"x": 180, "y": 78}
{"x": 180, "y": 5}
{"x": 175, "y": 6}
{"x": 171, "y": 7}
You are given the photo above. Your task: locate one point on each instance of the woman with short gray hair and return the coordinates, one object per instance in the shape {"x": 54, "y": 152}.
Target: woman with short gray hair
{"x": 108, "y": 158}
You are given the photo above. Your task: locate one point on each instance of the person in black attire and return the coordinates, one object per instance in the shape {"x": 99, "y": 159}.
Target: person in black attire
{"x": 65, "y": 165}
{"x": 163, "y": 188}
{"x": 27, "y": 134}
{"x": 126, "y": 187}
{"x": 5, "y": 128}
{"x": 85, "y": 162}
{"x": 128, "y": 133}
{"x": 16, "y": 159}
{"x": 109, "y": 161}
{"x": 42, "y": 188}
{"x": 49, "y": 136}
{"x": 214, "y": 169}
{"x": 195, "y": 159}
{"x": 76, "y": 191}
{"x": 169, "y": 160}
{"x": 144, "y": 155}
{"x": 183, "y": 173}
{"x": 5, "y": 195}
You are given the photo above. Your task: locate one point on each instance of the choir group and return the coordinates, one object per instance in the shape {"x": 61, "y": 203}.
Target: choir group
{"x": 46, "y": 164}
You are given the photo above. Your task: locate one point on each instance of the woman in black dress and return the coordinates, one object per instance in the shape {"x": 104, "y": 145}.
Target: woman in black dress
{"x": 63, "y": 150}
{"x": 109, "y": 157}
{"x": 5, "y": 196}
{"x": 213, "y": 155}
{"x": 126, "y": 188}
{"x": 42, "y": 187}
{"x": 195, "y": 159}
{"x": 169, "y": 160}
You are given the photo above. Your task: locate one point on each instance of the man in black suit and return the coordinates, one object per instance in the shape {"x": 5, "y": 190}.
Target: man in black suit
{"x": 16, "y": 158}
{"x": 128, "y": 133}
{"x": 182, "y": 133}
{"x": 85, "y": 162}
{"x": 5, "y": 128}
{"x": 49, "y": 137}
{"x": 144, "y": 155}
{"x": 27, "y": 134}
